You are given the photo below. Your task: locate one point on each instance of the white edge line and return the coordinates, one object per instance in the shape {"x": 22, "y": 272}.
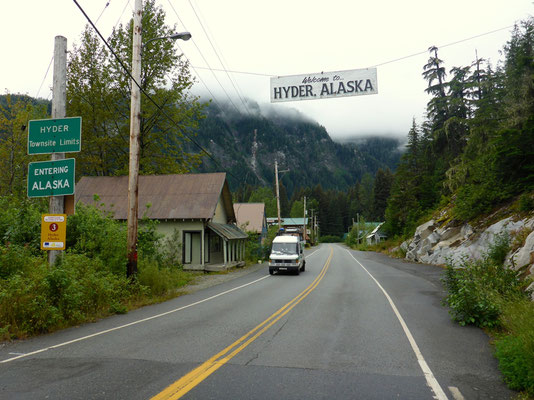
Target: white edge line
{"x": 131, "y": 323}
{"x": 431, "y": 380}
{"x": 456, "y": 394}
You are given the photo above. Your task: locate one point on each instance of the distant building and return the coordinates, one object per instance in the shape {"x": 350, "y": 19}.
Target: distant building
{"x": 289, "y": 223}
{"x": 198, "y": 206}
{"x": 251, "y": 218}
{"x": 377, "y": 235}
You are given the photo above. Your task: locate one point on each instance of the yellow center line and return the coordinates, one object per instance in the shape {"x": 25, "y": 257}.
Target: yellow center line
{"x": 196, "y": 376}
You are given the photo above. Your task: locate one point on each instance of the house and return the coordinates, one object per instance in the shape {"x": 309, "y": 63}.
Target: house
{"x": 376, "y": 236}
{"x": 198, "y": 206}
{"x": 291, "y": 223}
{"x": 251, "y": 218}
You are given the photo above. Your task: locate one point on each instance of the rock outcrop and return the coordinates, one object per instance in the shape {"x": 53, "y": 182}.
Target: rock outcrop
{"x": 451, "y": 243}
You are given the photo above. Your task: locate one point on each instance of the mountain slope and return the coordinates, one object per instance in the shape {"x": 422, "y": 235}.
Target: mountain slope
{"x": 247, "y": 145}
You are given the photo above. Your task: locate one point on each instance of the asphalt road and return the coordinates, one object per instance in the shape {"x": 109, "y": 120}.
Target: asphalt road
{"x": 354, "y": 325}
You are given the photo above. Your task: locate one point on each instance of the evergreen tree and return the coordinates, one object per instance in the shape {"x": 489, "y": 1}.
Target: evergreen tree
{"x": 382, "y": 189}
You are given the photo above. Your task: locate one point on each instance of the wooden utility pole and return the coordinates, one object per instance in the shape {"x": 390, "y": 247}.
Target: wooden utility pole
{"x": 304, "y": 222}
{"x": 135, "y": 128}
{"x": 59, "y": 100}
{"x": 277, "y": 194}
{"x": 312, "y": 231}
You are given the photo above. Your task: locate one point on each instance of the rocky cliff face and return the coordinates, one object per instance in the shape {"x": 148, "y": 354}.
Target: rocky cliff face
{"x": 437, "y": 242}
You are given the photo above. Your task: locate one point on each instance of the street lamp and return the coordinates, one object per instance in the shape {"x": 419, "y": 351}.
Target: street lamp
{"x": 135, "y": 128}
{"x": 175, "y": 36}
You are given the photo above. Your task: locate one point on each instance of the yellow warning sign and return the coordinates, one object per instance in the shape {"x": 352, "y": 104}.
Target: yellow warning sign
{"x": 53, "y": 231}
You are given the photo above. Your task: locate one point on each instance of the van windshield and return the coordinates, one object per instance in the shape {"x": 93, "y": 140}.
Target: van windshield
{"x": 284, "y": 248}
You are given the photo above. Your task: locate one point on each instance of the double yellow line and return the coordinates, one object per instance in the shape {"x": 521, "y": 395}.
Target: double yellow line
{"x": 196, "y": 376}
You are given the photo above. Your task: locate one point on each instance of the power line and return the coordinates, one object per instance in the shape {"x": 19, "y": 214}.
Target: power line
{"x": 219, "y": 58}
{"x": 104, "y": 9}
{"x": 206, "y": 61}
{"x": 237, "y": 72}
{"x": 50, "y": 64}
{"x": 44, "y": 78}
{"x": 382, "y": 63}
{"x": 442, "y": 46}
{"x": 143, "y": 91}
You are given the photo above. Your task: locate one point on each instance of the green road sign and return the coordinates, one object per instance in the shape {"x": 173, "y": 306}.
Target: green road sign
{"x": 51, "y": 178}
{"x": 63, "y": 135}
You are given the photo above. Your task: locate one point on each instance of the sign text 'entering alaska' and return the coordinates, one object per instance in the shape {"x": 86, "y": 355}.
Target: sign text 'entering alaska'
{"x": 356, "y": 82}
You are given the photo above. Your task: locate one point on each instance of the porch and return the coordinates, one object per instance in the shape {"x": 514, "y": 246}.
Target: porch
{"x": 217, "y": 247}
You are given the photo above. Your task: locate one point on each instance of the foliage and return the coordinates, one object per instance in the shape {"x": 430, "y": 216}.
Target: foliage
{"x": 96, "y": 235}
{"x": 268, "y": 242}
{"x": 20, "y": 221}
{"x": 476, "y": 144}
{"x": 41, "y": 298}
{"x": 162, "y": 280}
{"x": 98, "y": 89}
{"x": 247, "y": 144}
{"x": 88, "y": 281}
{"x": 15, "y": 112}
{"x": 169, "y": 254}
{"x": 329, "y": 239}
{"x": 525, "y": 203}
{"x": 477, "y": 289}
{"x": 515, "y": 348}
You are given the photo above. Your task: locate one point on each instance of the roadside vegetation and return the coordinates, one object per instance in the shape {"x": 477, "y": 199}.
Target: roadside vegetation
{"x": 89, "y": 281}
{"x": 486, "y": 294}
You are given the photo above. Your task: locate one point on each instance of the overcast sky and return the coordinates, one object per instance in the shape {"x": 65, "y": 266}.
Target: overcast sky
{"x": 283, "y": 37}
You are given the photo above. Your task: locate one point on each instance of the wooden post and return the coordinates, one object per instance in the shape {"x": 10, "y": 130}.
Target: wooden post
{"x": 304, "y": 222}
{"x": 277, "y": 194}
{"x": 135, "y": 128}
{"x": 59, "y": 99}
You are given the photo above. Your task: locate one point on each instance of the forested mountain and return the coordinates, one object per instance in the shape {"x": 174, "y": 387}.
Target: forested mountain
{"x": 476, "y": 148}
{"x": 247, "y": 144}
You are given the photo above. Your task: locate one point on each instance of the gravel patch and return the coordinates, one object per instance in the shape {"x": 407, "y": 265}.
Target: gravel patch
{"x": 210, "y": 279}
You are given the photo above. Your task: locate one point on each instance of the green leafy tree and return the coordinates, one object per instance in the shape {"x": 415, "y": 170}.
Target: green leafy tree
{"x": 98, "y": 89}
{"x": 297, "y": 209}
{"x": 14, "y": 117}
{"x": 265, "y": 195}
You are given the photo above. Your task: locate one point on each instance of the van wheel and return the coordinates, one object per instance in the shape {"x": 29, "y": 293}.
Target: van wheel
{"x": 303, "y": 266}
{"x": 297, "y": 271}
{"x": 271, "y": 271}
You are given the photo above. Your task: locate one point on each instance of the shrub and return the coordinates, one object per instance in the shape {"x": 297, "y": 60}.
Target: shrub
{"x": 473, "y": 200}
{"x": 169, "y": 251}
{"x": 15, "y": 258}
{"x": 161, "y": 281}
{"x": 95, "y": 234}
{"x": 148, "y": 239}
{"x": 525, "y": 203}
{"x": 477, "y": 289}
{"x": 20, "y": 222}
{"x": 330, "y": 239}
{"x": 515, "y": 350}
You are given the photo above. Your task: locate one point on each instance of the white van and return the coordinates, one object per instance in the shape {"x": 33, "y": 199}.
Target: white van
{"x": 287, "y": 254}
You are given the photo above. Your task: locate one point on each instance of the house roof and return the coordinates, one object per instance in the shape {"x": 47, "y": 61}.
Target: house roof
{"x": 289, "y": 221}
{"x": 250, "y": 214}
{"x": 179, "y": 196}
{"x": 228, "y": 231}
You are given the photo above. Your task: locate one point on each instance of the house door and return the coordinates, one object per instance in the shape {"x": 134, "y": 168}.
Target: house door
{"x": 192, "y": 248}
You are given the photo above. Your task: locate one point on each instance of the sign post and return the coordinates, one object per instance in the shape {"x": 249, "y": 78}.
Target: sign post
{"x": 53, "y": 231}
